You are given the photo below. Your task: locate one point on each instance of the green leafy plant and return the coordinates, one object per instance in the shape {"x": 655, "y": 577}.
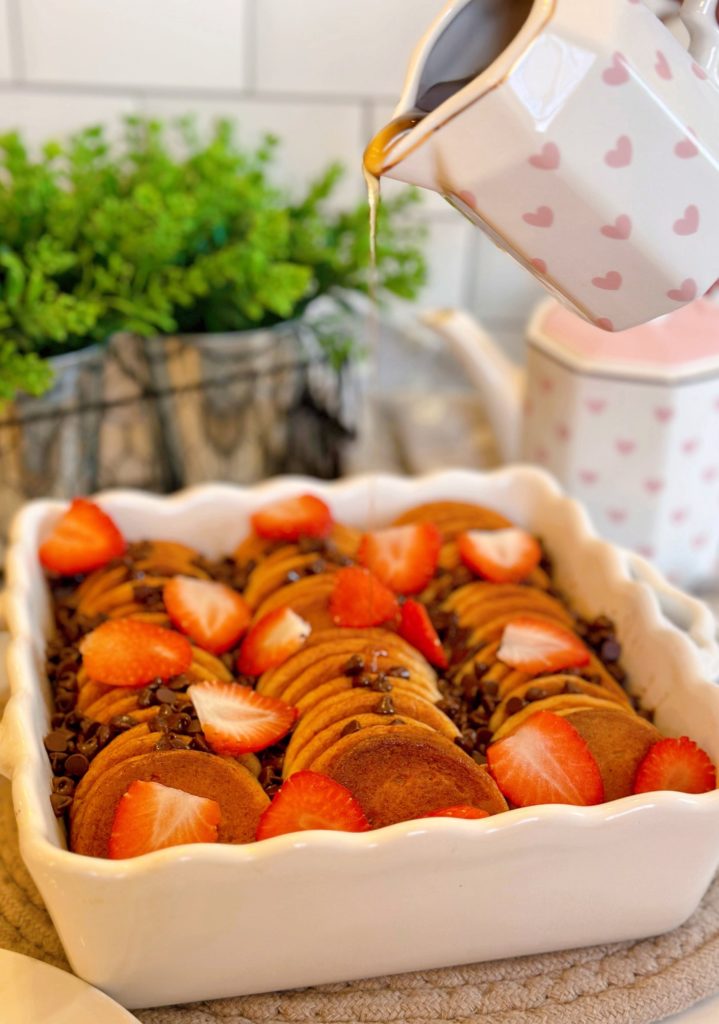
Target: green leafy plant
{"x": 164, "y": 232}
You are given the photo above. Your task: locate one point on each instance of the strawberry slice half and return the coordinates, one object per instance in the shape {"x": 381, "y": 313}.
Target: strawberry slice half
{"x": 212, "y": 614}
{"x": 545, "y": 761}
{"x": 460, "y": 811}
{"x": 502, "y": 556}
{"x": 404, "y": 558}
{"x": 677, "y": 764}
{"x": 534, "y": 644}
{"x": 417, "y": 629}
{"x": 151, "y": 816}
{"x": 237, "y": 720}
{"x": 308, "y": 801}
{"x": 292, "y": 518}
{"x": 272, "y": 640}
{"x": 83, "y": 539}
{"x": 359, "y": 599}
{"x": 123, "y": 652}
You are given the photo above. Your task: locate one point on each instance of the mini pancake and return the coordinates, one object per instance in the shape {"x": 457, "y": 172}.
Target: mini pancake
{"x": 97, "y": 583}
{"x": 331, "y": 666}
{"x": 359, "y": 702}
{"x": 553, "y": 686}
{"x": 371, "y": 645}
{"x": 308, "y": 597}
{"x": 447, "y": 512}
{"x": 618, "y": 741}
{"x": 594, "y": 672}
{"x": 450, "y": 559}
{"x": 562, "y": 702}
{"x": 266, "y": 579}
{"x": 122, "y": 594}
{"x": 401, "y": 772}
{"x": 478, "y": 606}
{"x": 323, "y": 740}
{"x": 207, "y": 666}
{"x": 344, "y": 539}
{"x": 124, "y": 704}
{"x": 170, "y": 554}
{"x": 240, "y": 796}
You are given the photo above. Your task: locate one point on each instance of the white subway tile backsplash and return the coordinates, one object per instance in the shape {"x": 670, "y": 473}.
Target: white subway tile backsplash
{"x": 336, "y": 47}
{"x": 447, "y": 248}
{"x": 53, "y": 115}
{"x": 5, "y": 66}
{"x": 312, "y": 136}
{"x": 163, "y": 43}
{"x": 503, "y": 290}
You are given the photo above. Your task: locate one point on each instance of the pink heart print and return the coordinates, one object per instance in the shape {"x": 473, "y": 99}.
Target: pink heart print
{"x": 546, "y": 385}
{"x": 679, "y": 515}
{"x": 469, "y": 198}
{"x": 700, "y": 541}
{"x": 541, "y": 455}
{"x": 624, "y": 446}
{"x": 588, "y": 476}
{"x": 548, "y": 158}
{"x": 686, "y": 149}
{"x": 664, "y": 413}
{"x": 563, "y": 432}
{"x": 710, "y": 474}
{"x": 653, "y": 486}
{"x": 687, "y": 292}
{"x": 617, "y": 74}
{"x": 542, "y": 217}
{"x": 662, "y": 67}
{"x": 621, "y": 229}
{"x": 690, "y": 445}
{"x": 645, "y": 550}
{"x": 689, "y": 223}
{"x": 605, "y": 323}
{"x": 611, "y": 282}
{"x": 539, "y": 265}
{"x": 617, "y": 515}
{"x": 699, "y": 70}
{"x": 621, "y": 155}
{"x": 596, "y": 405}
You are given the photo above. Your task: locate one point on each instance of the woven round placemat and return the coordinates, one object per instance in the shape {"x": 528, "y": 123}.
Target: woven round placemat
{"x": 626, "y": 983}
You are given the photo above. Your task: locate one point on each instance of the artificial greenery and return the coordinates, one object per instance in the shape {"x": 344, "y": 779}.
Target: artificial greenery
{"x": 162, "y": 232}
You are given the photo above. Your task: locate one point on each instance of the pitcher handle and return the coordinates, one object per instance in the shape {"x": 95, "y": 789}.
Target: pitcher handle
{"x": 701, "y": 18}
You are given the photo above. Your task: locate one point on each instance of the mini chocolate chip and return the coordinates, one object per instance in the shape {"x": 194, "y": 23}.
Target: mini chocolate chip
{"x": 164, "y": 743}
{"x": 610, "y": 651}
{"x": 385, "y": 706}
{"x": 57, "y": 721}
{"x": 490, "y": 687}
{"x": 180, "y": 742}
{"x": 120, "y": 723}
{"x": 194, "y": 727}
{"x": 317, "y": 567}
{"x": 181, "y": 702}
{"x": 398, "y": 672}
{"x": 103, "y": 735}
{"x": 479, "y": 757}
{"x": 351, "y": 727}
{"x": 514, "y": 704}
{"x": 398, "y": 721}
{"x": 178, "y": 722}
{"x": 200, "y": 743}
{"x": 60, "y": 803}
{"x": 480, "y": 669}
{"x": 65, "y": 702}
{"x": 88, "y": 747}
{"x": 535, "y": 693}
{"x": 63, "y": 784}
{"x": 293, "y": 576}
{"x": 364, "y": 682}
{"x": 146, "y": 698}
{"x": 58, "y": 741}
{"x": 484, "y": 736}
{"x": 76, "y": 765}
{"x": 165, "y": 695}
{"x": 58, "y": 762}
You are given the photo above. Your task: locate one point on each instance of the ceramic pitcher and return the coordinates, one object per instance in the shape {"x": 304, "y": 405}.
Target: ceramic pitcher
{"x": 581, "y": 137}
{"x": 628, "y": 423}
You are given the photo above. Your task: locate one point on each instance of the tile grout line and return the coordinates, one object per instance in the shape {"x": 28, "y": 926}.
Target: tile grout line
{"x": 15, "y": 42}
{"x": 43, "y": 86}
{"x": 250, "y": 45}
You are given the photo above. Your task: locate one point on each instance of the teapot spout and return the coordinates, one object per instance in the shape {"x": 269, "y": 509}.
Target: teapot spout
{"x": 500, "y": 383}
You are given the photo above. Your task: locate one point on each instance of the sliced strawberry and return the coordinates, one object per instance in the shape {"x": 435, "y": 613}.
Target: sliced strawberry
{"x": 417, "y": 629}
{"x": 460, "y": 811}
{"x": 307, "y": 801}
{"x": 123, "y": 652}
{"x": 540, "y": 645}
{"x": 83, "y": 539}
{"x": 213, "y": 615}
{"x": 677, "y": 764}
{"x": 358, "y": 599}
{"x": 502, "y": 556}
{"x": 545, "y": 761}
{"x": 403, "y": 557}
{"x": 272, "y": 640}
{"x": 292, "y": 518}
{"x": 237, "y": 720}
{"x": 151, "y": 816}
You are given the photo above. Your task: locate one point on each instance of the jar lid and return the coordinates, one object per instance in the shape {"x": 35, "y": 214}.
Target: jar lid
{"x": 686, "y": 341}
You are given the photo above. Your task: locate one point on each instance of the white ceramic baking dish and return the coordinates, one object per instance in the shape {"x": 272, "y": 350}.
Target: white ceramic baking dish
{"x": 201, "y": 922}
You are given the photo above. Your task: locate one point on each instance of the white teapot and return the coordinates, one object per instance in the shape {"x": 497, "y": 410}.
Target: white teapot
{"x": 580, "y": 136}
{"x": 628, "y": 423}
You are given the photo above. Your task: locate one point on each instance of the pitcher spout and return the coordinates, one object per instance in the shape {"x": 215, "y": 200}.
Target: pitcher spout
{"x": 500, "y": 383}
